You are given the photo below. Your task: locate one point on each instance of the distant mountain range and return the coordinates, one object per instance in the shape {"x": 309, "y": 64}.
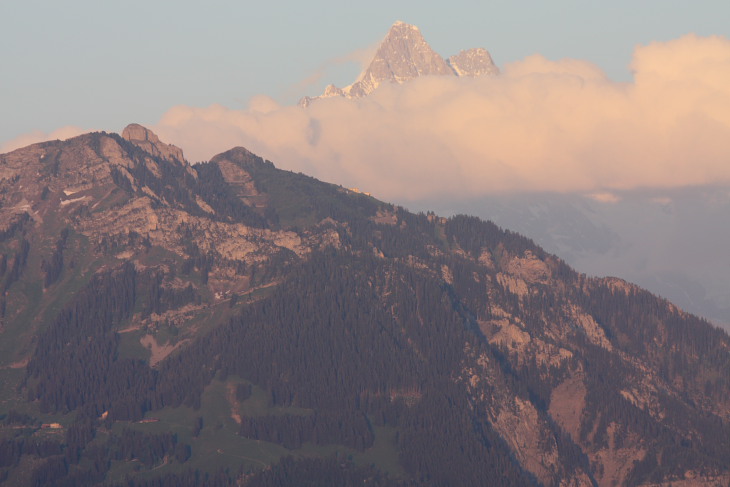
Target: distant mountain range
{"x": 230, "y": 323}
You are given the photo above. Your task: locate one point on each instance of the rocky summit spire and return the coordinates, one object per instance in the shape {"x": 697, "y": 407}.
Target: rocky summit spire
{"x": 473, "y": 62}
{"x": 404, "y": 55}
{"x": 147, "y": 140}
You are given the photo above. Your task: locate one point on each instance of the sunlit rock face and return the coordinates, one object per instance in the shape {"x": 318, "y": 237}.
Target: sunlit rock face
{"x": 404, "y": 55}
{"x": 473, "y": 62}
{"x": 148, "y": 141}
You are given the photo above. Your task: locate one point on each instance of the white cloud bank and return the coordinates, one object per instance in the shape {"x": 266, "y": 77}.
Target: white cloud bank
{"x": 540, "y": 126}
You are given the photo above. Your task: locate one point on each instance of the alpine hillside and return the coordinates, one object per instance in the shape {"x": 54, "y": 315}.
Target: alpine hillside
{"x": 229, "y": 323}
{"x": 670, "y": 241}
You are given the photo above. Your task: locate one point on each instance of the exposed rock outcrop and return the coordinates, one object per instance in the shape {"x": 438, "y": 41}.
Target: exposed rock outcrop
{"x": 473, "y": 62}
{"x": 148, "y": 141}
{"x": 404, "y": 55}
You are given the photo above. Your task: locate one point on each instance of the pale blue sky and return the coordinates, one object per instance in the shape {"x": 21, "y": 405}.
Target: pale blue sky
{"x": 100, "y": 64}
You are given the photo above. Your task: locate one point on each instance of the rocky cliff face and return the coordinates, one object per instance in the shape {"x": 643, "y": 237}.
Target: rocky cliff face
{"x": 149, "y": 142}
{"x": 261, "y": 313}
{"x": 404, "y": 55}
{"x": 473, "y": 62}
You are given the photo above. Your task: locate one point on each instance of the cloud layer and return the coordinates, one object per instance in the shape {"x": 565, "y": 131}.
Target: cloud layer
{"x": 541, "y": 125}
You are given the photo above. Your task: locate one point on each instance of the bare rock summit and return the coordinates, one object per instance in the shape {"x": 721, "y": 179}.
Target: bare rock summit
{"x": 473, "y": 62}
{"x": 404, "y": 55}
{"x": 148, "y": 141}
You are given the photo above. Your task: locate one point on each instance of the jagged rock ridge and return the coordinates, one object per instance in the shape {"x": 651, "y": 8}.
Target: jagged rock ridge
{"x": 404, "y": 55}
{"x": 473, "y": 62}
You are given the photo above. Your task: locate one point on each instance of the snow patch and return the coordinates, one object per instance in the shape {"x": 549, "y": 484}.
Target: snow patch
{"x": 74, "y": 200}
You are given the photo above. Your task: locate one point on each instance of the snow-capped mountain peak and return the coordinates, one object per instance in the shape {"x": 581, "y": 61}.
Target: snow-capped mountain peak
{"x": 404, "y": 55}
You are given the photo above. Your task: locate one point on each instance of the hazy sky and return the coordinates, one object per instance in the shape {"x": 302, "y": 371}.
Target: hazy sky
{"x": 96, "y": 64}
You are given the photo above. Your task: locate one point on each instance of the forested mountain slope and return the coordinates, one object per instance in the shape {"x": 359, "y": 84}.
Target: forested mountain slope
{"x": 229, "y": 323}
